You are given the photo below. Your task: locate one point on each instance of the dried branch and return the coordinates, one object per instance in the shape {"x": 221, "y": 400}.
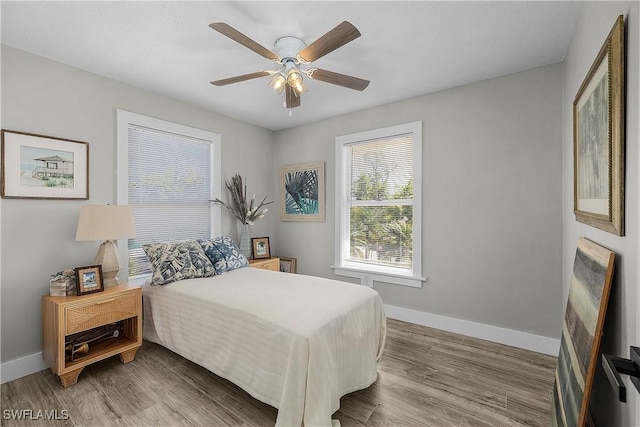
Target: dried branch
{"x": 238, "y": 207}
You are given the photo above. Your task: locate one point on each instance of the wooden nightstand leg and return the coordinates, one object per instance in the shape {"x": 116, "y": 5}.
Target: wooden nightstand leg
{"x": 128, "y": 356}
{"x": 70, "y": 378}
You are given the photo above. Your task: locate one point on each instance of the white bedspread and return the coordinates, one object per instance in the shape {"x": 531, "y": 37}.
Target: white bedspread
{"x": 296, "y": 342}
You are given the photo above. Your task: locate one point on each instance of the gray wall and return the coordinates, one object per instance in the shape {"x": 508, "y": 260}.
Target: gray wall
{"x": 49, "y": 98}
{"x": 492, "y": 195}
{"x": 622, "y": 323}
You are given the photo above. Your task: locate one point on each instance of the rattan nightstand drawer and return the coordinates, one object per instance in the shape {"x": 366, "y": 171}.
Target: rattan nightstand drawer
{"x": 99, "y": 312}
{"x": 266, "y": 263}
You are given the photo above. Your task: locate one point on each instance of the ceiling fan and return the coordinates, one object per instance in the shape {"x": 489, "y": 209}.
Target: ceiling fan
{"x": 292, "y": 55}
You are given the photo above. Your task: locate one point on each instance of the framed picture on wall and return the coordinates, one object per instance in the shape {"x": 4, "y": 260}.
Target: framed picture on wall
{"x": 599, "y": 138}
{"x": 302, "y": 192}
{"x": 44, "y": 167}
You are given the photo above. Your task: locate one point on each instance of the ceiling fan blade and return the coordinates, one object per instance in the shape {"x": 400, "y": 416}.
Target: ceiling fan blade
{"x": 241, "y": 78}
{"x": 292, "y": 98}
{"x": 338, "y": 79}
{"x": 237, "y": 36}
{"x": 340, "y": 35}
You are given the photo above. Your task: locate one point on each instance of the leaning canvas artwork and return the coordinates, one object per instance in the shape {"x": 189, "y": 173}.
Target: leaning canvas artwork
{"x": 581, "y": 331}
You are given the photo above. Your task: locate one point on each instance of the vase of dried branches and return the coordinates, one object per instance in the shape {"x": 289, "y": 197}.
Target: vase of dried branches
{"x": 245, "y": 210}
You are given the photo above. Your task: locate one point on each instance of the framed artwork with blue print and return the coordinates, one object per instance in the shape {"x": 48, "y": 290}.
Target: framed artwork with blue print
{"x": 302, "y": 192}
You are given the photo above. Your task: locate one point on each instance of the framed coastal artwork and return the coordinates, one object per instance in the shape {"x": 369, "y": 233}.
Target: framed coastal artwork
{"x": 581, "y": 332}
{"x": 43, "y": 167}
{"x": 599, "y": 138}
{"x": 302, "y": 192}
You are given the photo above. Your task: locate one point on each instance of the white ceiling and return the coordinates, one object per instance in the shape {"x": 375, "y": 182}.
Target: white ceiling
{"x": 407, "y": 48}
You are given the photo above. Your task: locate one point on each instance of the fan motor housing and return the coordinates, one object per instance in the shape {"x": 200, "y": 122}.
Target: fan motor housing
{"x": 287, "y": 47}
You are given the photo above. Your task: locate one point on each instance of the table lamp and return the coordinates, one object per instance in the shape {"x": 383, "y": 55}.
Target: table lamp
{"x": 108, "y": 223}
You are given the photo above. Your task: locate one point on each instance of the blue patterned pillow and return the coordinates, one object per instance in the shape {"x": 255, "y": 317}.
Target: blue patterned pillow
{"x": 177, "y": 261}
{"x": 223, "y": 253}
{"x": 215, "y": 256}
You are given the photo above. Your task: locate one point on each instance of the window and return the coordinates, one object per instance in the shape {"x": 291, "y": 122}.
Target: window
{"x": 379, "y": 205}
{"x": 169, "y": 174}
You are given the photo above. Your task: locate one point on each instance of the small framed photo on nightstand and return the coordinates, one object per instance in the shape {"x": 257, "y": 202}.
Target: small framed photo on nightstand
{"x": 260, "y": 247}
{"x": 287, "y": 265}
{"x": 89, "y": 279}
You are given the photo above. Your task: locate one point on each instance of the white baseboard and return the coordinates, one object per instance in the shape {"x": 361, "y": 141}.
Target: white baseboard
{"x": 28, "y": 365}
{"x": 510, "y": 337}
{"x": 18, "y": 368}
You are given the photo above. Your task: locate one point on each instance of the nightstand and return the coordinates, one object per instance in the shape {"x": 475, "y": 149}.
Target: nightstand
{"x": 66, "y": 316}
{"x": 266, "y": 263}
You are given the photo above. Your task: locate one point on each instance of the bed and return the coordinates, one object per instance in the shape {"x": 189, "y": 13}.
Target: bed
{"x": 295, "y": 342}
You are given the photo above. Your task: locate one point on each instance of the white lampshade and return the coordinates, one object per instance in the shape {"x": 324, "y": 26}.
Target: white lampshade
{"x": 108, "y": 223}
{"x": 105, "y": 222}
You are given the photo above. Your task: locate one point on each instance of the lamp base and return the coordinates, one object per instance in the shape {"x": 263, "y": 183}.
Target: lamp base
{"x": 110, "y": 280}
{"x": 107, "y": 257}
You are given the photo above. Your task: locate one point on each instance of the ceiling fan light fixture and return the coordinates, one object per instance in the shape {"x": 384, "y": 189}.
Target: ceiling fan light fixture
{"x": 294, "y": 78}
{"x": 300, "y": 89}
{"x": 277, "y": 83}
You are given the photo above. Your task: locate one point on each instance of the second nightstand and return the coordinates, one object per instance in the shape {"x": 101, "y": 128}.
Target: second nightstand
{"x": 266, "y": 263}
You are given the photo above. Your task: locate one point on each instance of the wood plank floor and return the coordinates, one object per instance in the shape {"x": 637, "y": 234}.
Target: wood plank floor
{"x": 427, "y": 377}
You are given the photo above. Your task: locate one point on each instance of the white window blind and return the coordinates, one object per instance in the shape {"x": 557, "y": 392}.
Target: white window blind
{"x": 169, "y": 189}
{"x": 380, "y": 201}
{"x": 378, "y": 185}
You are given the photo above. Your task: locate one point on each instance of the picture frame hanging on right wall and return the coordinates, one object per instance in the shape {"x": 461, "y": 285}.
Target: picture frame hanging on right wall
{"x": 599, "y": 138}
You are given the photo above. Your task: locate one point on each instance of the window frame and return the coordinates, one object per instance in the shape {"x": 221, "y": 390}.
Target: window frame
{"x": 368, "y": 273}
{"x": 127, "y": 118}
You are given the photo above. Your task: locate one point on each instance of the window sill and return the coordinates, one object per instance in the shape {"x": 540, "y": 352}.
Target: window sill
{"x": 367, "y": 277}
{"x": 139, "y": 280}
